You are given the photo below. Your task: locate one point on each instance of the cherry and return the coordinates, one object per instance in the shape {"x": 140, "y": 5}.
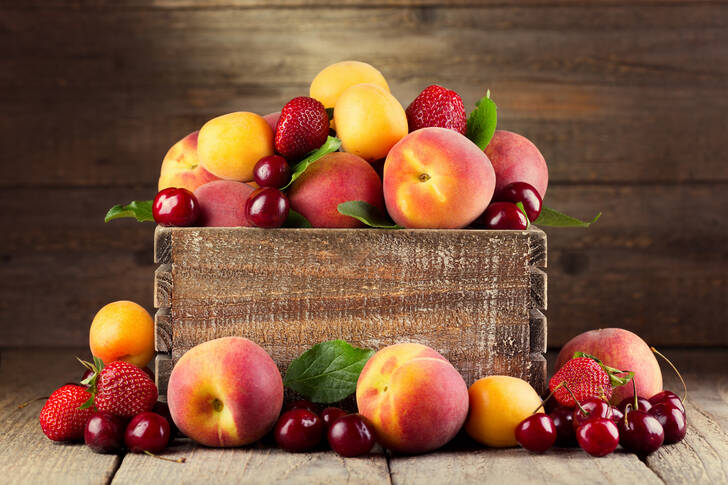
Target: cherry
{"x": 672, "y": 419}
{"x": 595, "y": 408}
{"x": 147, "y": 431}
{"x": 331, "y": 414}
{"x": 161, "y": 408}
{"x": 298, "y": 430}
{"x": 643, "y": 404}
{"x": 267, "y": 207}
{"x": 351, "y": 435}
{"x": 598, "y": 436}
{"x": 617, "y": 414}
{"x": 272, "y": 171}
{"x": 175, "y": 207}
{"x": 562, "y": 417}
{"x": 104, "y": 433}
{"x": 524, "y": 193}
{"x": 300, "y": 404}
{"x": 668, "y": 396}
{"x": 640, "y": 432}
{"x": 536, "y": 433}
{"x": 502, "y": 215}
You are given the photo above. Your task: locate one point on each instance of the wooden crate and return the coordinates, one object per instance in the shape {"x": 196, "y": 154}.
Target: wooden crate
{"x": 475, "y": 296}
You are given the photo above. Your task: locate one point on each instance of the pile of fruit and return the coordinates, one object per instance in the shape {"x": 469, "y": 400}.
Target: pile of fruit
{"x": 350, "y": 155}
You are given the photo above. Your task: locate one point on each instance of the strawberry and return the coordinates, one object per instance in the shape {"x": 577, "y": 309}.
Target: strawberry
{"x": 61, "y": 418}
{"x": 302, "y": 128}
{"x": 120, "y": 388}
{"x": 586, "y": 377}
{"x": 437, "y": 106}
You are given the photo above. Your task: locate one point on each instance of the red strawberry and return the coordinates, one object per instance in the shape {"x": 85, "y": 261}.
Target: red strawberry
{"x": 439, "y": 107}
{"x": 121, "y": 388}
{"x": 586, "y": 377}
{"x": 302, "y": 128}
{"x": 61, "y": 418}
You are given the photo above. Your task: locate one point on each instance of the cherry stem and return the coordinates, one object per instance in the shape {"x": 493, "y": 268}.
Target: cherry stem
{"x": 566, "y": 386}
{"x": 685, "y": 387}
{"x": 26, "y": 403}
{"x": 636, "y": 402}
{"x": 543, "y": 403}
{"x": 173, "y": 460}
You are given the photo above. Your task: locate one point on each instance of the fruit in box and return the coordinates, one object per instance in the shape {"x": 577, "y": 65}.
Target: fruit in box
{"x": 516, "y": 159}
{"x": 333, "y": 80}
{"x": 222, "y": 203}
{"x": 181, "y": 166}
{"x": 123, "y": 330}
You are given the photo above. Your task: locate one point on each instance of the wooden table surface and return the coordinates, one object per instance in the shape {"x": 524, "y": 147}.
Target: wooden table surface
{"x": 27, "y": 456}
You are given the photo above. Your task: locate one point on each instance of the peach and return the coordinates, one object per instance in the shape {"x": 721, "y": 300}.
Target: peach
{"x": 230, "y": 145}
{"x": 369, "y": 121}
{"x": 272, "y": 120}
{"x": 225, "y": 392}
{"x": 181, "y": 166}
{"x": 333, "y": 80}
{"x": 437, "y": 178}
{"x": 622, "y": 350}
{"x": 414, "y": 398}
{"x": 335, "y": 178}
{"x": 122, "y": 330}
{"x": 516, "y": 159}
{"x": 222, "y": 203}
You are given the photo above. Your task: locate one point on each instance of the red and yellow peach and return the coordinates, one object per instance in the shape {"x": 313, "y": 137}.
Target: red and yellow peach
{"x": 222, "y": 203}
{"x": 181, "y": 167}
{"x": 516, "y": 159}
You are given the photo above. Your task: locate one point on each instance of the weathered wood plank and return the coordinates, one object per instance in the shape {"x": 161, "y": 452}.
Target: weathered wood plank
{"x": 163, "y": 366}
{"x": 163, "y": 286}
{"x": 538, "y": 337}
{"x": 163, "y": 330}
{"x": 250, "y": 465}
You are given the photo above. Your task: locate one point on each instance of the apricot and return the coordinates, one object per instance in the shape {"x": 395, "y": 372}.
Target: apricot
{"x": 414, "y": 398}
{"x": 497, "y": 405}
{"x": 437, "y": 178}
{"x": 516, "y": 159}
{"x": 222, "y": 203}
{"x": 369, "y": 121}
{"x": 230, "y": 145}
{"x": 333, "y": 80}
{"x": 123, "y": 330}
{"x": 335, "y": 178}
{"x": 181, "y": 166}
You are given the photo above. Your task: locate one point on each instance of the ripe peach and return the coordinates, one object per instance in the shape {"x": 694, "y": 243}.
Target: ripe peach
{"x": 333, "y": 80}
{"x": 181, "y": 167}
{"x": 225, "y": 392}
{"x": 497, "y": 405}
{"x": 622, "y": 350}
{"x": 414, "y": 398}
{"x": 222, "y": 203}
{"x": 272, "y": 120}
{"x": 230, "y": 145}
{"x": 122, "y": 330}
{"x": 516, "y": 159}
{"x": 335, "y": 178}
{"x": 437, "y": 178}
{"x": 369, "y": 121}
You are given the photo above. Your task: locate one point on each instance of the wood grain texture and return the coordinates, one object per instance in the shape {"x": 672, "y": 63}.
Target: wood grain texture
{"x": 163, "y": 366}
{"x": 163, "y": 330}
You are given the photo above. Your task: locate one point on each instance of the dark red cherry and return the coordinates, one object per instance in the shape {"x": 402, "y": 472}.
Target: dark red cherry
{"x": 640, "y": 433}
{"x": 331, "y": 414}
{"x": 175, "y": 207}
{"x": 272, "y": 171}
{"x": 104, "y": 433}
{"x": 672, "y": 419}
{"x": 668, "y": 396}
{"x": 524, "y": 193}
{"x": 300, "y": 404}
{"x": 643, "y": 404}
{"x": 161, "y": 408}
{"x": 267, "y": 207}
{"x": 598, "y": 436}
{"x": 562, "y": 417}
{"x": 298, "y": 430}
{"x": 351, "y": 435}
{"x": 595, "y": 408}
{"x": 502, "y": 215}
{"x": 147, "y": 431}
{"x": 616, "y": 415}
{"x": 536, "y": 433}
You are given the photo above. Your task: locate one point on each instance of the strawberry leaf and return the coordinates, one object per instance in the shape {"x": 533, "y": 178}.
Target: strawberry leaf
{"x": 482, "y": 122}
{"x": 553, "y": 218}
{"x": 140, "y": 209}
{"x": 616, "y": 377}
{"x": 331, "y": 145}
{"x": 366, "y": 213}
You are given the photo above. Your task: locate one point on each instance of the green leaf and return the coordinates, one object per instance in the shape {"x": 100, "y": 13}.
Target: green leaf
{"x": 330, "y": 112}
{"x": 616, "y": 377}
{"x": 366, "y": 213}
{"x": 296, "y": 219}
{"x": 327, "y": 372}
{"x": 523, "y": 210}
{"x": 554, "y": 218}
{"x": 482, "y": 122}
{"x": 331, "y": 145}
{"x": 141, "y": 209}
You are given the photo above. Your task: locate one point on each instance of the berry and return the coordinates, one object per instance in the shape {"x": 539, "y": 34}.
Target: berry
{"x": 536, "y": 433}
{"x": 598, "y": 436}
{"x": 331, "y": 414}
{"x": 267, "y": 207}
{"x": 562, "y": 417}
{"x": 672, "y": 419}
{"x": 175, "y": 207}
{"x": 438, "y": 107}
{"x": 121, "y": 388}
{"x": 351, "y": 435}
{"x": 298, "y": 430}
{"x": 161, "y": 408}
{"x": 104, "y": 433}
{"x": 585, "y": 377}
{"x": 502, "y": 215}
{"x": 300, "y": 404}
{"x": 61, "y": 419}
{"x": 272, "y": 171}
{"x": 642, "y": 404}
{"x": 668, "y": 396}
{"x": 302, "y": 128}
{"x": 595, "y": 408}
{"x": 524, "y": 193}
{"x": 147, "y": 431}
{"x": 640, "y": 432}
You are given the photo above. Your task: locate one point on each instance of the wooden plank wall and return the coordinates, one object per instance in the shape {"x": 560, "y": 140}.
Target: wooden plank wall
{"x": 628, "y": 101}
